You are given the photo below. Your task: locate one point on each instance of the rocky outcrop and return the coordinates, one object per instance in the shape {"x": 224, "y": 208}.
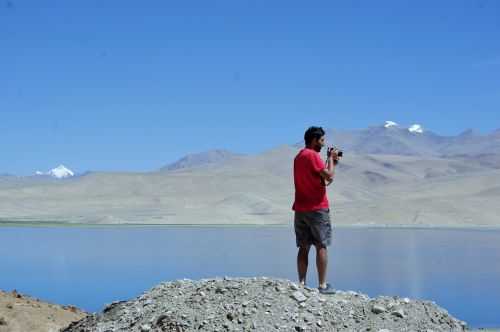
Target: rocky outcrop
{"x": 263, "y": 304}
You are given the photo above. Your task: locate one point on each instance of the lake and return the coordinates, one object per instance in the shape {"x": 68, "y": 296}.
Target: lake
{"x": 89, "y": 267}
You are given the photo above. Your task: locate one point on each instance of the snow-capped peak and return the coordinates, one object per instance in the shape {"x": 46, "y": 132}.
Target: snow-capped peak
{"x": 416, "y": 128}
{"x": 59, "y": 172}
{"x": 389, "y": 124}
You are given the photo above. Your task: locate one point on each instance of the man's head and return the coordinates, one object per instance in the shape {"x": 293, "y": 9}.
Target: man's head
{"x": 315, "y": 138}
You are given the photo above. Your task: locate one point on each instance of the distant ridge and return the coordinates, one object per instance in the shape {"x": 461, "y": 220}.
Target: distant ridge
{"x": 391, "y": 138}
{"x": 6, "y": 174}
{"x": 215, "y": 156}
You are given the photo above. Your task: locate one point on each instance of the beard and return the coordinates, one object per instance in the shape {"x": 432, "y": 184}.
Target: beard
{"x": 317, "y": 148}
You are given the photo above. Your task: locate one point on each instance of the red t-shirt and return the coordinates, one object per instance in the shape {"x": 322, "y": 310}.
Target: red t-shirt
{"x": 310, "y": 193}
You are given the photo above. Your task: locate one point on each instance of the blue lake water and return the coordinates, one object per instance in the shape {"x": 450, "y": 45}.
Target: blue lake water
{"x": 88, "y": 267}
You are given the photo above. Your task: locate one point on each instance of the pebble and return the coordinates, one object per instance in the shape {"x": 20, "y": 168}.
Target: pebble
{"x": 378, "y": 309}
{"x": 298, "y": 296}
{"x": 399, "y": 313}
{"x": 145, "y": 328}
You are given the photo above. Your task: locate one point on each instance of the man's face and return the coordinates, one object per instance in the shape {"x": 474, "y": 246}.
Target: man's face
{"x": 318, "y": 144}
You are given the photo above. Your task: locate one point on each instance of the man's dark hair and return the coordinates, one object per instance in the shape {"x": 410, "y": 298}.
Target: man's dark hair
{"x": 312, "y": 133}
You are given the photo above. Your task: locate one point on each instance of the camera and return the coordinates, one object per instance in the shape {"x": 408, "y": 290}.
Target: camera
{"x": 340, "y": 153}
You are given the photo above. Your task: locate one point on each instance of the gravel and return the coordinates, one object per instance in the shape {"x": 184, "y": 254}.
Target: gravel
{"x": 263, "y": 304}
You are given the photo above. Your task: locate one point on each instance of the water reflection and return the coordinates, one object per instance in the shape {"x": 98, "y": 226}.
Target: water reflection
{"x": 91, "y": 266}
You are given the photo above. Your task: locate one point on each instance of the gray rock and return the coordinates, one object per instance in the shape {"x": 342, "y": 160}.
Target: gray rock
{"x": 391, "y": 305}
{"x": 145, "y": 328}
{"x": 378, "y": 309}
{"x": 398, "y": 313}
{"x": 298, "y": 296}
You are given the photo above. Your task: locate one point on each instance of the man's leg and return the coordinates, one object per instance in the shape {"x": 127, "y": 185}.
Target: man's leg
{"x": 302, "y": 262}
{"x": 321, "y": 264}
{"x": 303, "y": 241}
{"x": 321, "y": 228}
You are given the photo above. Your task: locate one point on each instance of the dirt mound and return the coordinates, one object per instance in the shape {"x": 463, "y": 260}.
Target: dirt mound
{"x": 21, "y": 313}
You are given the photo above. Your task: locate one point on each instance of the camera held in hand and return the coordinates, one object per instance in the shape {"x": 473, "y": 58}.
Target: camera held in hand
{"x": 339, "y": 153}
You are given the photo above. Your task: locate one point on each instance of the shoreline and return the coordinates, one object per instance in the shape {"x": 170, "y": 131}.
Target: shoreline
{"x": 51, "y": 224}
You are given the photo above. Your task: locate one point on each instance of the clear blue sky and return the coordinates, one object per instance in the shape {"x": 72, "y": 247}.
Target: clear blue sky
{"x": 134, "y": 85}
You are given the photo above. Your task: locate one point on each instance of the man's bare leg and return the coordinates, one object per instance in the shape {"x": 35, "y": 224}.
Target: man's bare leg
{"x": 302, "y": 262}
{"x": 321, "y": 264}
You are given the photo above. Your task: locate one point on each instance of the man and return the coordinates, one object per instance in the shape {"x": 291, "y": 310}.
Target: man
{"x": 312, "y": 213}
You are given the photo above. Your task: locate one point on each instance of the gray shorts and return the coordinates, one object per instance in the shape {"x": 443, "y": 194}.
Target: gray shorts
{"x": 313, "y": 227}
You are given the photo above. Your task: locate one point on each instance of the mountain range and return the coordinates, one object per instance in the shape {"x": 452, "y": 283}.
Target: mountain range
{"x": 389, "y": 175}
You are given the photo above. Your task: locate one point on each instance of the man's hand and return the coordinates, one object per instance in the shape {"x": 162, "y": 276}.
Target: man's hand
{"x": 327, "y": 182}
{"x": 332, "y": 153}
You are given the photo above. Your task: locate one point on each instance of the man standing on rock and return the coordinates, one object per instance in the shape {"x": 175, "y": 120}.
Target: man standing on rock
{"x": 312, "y": 213}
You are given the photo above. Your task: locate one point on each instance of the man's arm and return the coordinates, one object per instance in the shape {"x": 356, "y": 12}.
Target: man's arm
{"x": 329, "y": 172}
